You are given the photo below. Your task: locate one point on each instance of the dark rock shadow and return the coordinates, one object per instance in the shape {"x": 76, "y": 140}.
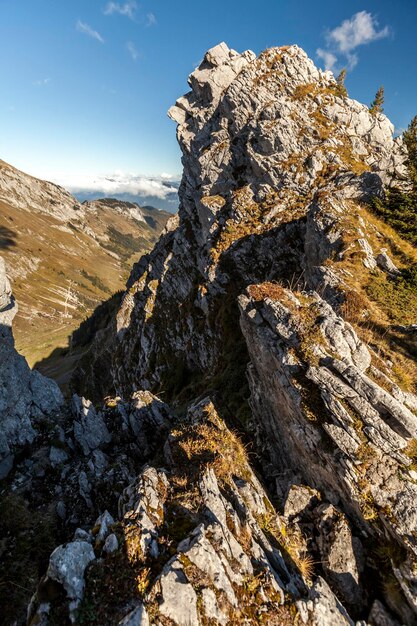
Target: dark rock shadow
{"x": 7, "y": 238}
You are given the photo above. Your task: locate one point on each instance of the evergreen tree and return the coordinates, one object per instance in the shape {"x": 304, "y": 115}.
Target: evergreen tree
{"x": 376, "y": 106}
{"x": 340, "y": 80}
{"x": 399, "y": 208}
{"x": 410, "y": 140}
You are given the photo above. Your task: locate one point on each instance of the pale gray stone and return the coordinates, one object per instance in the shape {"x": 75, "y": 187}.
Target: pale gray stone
{"x": 386, "y": 264}
{"x": 103, "y": 523}
{"x": 368, "y": 260}
{"x": 90, "y": 430}
{"x": 137, "y": 617}
{"x": 67, "y": 566}
{"x": 174, "y": 585}
{"x": 111, "y": 544}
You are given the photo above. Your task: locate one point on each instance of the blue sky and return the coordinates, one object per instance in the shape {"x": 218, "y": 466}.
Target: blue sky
{"x": 86, "y": 83}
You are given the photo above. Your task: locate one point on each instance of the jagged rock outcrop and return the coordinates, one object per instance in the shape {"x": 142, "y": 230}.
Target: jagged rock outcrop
{"x": 273, "y": 234}
{"x": 263, "y": 294}
{"x": 25, "y": 395}
{"x": 264, "y": 147}
{"x": 204, "y": 541}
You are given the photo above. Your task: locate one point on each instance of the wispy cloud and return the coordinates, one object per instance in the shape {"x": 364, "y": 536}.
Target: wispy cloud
{"x": 151, "y": 19}
{"x": 118, "y": 183}
{"x": 84, "y": 28}
{"x": 41, "y": 82}
{"x": 362, "y": 28}
{"x": 329, "y": 59}
{"x": 128, "y": 8}
{"x": 132, "y": 50}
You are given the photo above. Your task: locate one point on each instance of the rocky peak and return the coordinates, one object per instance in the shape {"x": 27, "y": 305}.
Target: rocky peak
{"x": 278, "y": 123}
{"x": 271, "y": 152}
{"x": 266, "y": 273}
{"x": 266, "y": 307}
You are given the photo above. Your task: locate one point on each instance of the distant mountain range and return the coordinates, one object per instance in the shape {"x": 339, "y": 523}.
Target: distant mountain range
{"x": 158, "y": 191}
{"x": 168, "y": 204}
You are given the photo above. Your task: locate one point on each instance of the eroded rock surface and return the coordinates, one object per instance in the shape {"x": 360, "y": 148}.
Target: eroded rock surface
{"x": 262, "y": 296}
{"x": 205, "y": 542}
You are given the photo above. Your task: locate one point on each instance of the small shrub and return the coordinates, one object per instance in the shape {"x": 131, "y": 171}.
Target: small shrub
{"x": 376, "y": 105}
{"x": 340, "y": 87}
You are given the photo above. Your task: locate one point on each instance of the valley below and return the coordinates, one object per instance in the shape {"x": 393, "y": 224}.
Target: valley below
{"x": 64, "y": 259}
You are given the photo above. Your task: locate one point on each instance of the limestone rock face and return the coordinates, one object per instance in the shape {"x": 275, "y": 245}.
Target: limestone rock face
{"x": 23, "y": 191}
{"x": 259, "y": 311}
{"x": 25, "y": 395}
{"x": 90, "y": 431}
{"x": 210, "y": 533}
{"x": 266, "y": 143}
{"x": 265, "y": 272}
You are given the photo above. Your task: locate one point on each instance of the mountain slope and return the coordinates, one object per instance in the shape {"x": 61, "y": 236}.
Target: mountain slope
{"x": 277, "y": 268}
{"x": 274, "y": 479}
{"x": 63, "y": 257}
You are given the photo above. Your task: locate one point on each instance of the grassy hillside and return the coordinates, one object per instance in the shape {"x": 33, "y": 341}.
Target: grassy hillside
{"x": 61, "y": 271}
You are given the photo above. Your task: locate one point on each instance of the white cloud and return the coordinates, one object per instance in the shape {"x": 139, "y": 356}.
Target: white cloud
{"x": 82, "y": 27}
{"x": 360, "y": 29}
{"x": 150, "y": 19}
{"x": 352, "y": 61}
{"x": 116, "y": 184}
{"x": 132, "y": 50}
{"x": 41, "y": 82}
{"x": 327, "y": 57}
{"x": 128, "y": 9}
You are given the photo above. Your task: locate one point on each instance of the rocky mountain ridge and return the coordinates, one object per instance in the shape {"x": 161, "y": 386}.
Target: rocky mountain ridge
{"x": 26, "y": 192}
{"x": 274, "y": 479}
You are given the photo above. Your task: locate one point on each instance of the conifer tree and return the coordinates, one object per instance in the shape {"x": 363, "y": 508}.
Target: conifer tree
{"x": 340, "y": 80}
{"x": 399, "y": 208}
{"x": 376, "y": 106}
{"x": 410, "y": 140}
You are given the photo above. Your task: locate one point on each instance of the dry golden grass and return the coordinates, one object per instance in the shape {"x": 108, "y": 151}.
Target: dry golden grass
{"x": 411, "y": 452}
{"x": 368, "y": 306}
{"x": 304, "y": 90}
{"x": 291, "y": 540}
{"x": 211, "y": 444}
{"x": 274, "y": 291}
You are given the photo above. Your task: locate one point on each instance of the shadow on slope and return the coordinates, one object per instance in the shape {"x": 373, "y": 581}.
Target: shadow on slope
{"x": 7, "y": 238}
{"x": 62, "y": 362}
